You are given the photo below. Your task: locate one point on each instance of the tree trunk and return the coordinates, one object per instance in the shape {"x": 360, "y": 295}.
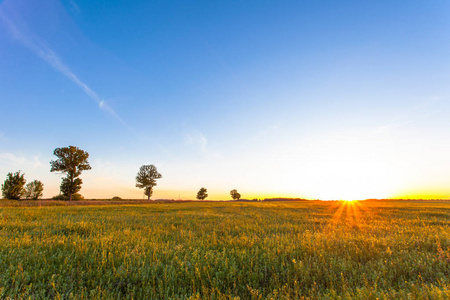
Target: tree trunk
{"x": 71, "y": 186}
{"x": 148, "y": 197}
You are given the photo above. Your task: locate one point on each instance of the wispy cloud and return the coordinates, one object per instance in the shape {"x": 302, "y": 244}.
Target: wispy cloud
{"x": 392, "y": 126}
{"x": 200, "y": 142}
{"x": 36, "y": 162}
{"x": 10, "y": 158}
{"x": 411, "y": 115}
{"x": 74, "y": 6}
{"x": 19, "y": 31}
{"x": 263, "y": 133}
{"x": 197, "y": 139}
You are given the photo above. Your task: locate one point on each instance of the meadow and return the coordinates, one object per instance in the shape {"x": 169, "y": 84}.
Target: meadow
{"x": 226, "y": 250}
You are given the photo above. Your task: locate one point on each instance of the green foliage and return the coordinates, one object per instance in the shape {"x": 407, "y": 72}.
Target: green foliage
{"x": 12, "y": 188}
{"x": 34, "y": 190}
{"x": 71, "y": 161}
{"x": 75, "y": 196}
{"x": 235, "y": 195}
{"x": 234, "y": 250}
{"x": 60, "y": 197}
{"x": 202, "y": 194}
{"x": 70, "y": 187}
{"x": 148, "y": 191}
{"x": 116, "y": 198}
{"x": 146, "y": 179}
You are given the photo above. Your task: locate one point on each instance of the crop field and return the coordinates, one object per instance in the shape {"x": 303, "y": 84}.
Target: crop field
{"x": 227, "y": 250}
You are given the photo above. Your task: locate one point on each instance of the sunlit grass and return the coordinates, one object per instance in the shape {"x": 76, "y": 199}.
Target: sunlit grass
{"x": 270, "y": 250}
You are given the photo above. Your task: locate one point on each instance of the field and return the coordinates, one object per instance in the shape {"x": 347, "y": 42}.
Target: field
{"x": 227, "y": 250}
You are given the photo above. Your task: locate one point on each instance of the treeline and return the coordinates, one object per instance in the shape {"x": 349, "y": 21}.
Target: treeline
{"x": 71, "y": 162}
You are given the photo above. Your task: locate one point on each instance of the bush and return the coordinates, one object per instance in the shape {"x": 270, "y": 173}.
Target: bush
{"x": 116, "y": 198}
{"x": 75, "y": 196}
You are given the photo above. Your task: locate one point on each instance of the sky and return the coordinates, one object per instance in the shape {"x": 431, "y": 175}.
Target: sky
{"x": 309, "y": 99}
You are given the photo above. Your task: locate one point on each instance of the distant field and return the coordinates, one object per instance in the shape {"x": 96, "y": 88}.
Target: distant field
{"x": 227, "y": 250}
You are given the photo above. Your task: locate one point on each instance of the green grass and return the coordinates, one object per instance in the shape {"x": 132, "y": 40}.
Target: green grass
{"x": 254, "y": 250}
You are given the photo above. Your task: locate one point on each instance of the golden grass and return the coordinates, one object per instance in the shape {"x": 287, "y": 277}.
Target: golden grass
{"x": 227, "y": 250}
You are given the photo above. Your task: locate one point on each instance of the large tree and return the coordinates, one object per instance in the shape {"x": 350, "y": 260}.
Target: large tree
{"x": 12, "y": 188}
{"x": 71, "y": 161}
{"x": 235, "y": 195}
{"x": 146, "y": 179}
{"x": 34, "y": 189}
{"x": 202, "y": 194}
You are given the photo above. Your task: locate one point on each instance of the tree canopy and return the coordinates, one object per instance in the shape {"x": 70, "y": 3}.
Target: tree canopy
{"x": 12, "y": 188}
{"x": 71, "y": 161}
{"x": 202, "y": 194}
{"x": 34, "y": 189}
{"x": 235, "y": 195}
{"x": 146, "y": 179}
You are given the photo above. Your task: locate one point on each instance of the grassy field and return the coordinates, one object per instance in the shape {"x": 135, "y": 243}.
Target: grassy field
{"x": 227, "y": 250}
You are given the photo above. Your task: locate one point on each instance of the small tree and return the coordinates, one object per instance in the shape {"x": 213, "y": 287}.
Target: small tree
{"x": 235, "y": 195}
{"x": 71, "y": 161}
{"x": 12, "y": 188}
{"x": 146, "y": 179}
{"x": 34, "y": 189}
{"x": 202, "y": 194}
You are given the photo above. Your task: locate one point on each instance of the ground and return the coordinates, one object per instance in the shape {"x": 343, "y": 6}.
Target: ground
{"x": 225, "y": 250}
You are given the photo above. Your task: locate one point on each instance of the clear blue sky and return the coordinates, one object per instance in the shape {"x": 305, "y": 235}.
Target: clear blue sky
{"x": 316, "y": 99}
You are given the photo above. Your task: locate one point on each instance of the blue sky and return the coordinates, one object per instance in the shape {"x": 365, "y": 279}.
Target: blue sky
{"x": 316, "y": 99}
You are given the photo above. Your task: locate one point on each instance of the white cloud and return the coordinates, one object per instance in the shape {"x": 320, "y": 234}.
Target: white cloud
{"x": 200, "y": 142}
{"x": 74, "y": 6}
{"x": 36, "y": 162}
{"x": 415, "y": 113}
{"x": 263, "y": 133}
{"x": 391, "y": 126}
{"x": 10, "y": 158}
{"x": 19, "y": 31}
{"x": 197, "y": 139}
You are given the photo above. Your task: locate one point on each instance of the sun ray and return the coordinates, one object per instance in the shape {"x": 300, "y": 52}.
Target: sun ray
{"x": 356, "y": 213}
{"x": 337, "y": 216}
{"x": 349, "y": 218}
{"x": 348, "y": 213}
{"x": 360, "y": 205}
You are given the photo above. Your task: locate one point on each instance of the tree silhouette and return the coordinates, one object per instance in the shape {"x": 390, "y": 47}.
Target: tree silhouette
{"x": 12, "y": 188}
{"x": 71, "y": 161}
{"x": 202, "y": 194}
{"x": 146, "y": 179}
{"x": 235, "y": 195}
{"x": 34, "y": 189}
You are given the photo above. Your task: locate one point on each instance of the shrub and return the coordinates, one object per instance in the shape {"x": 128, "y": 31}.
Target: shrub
{"x": 12, "y": 188}
{"x": 75, "y": 196}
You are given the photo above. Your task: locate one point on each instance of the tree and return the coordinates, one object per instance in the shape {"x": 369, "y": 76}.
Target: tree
{"x": 202, "y": 194}
{"x": 146, "y": 179}
{"x": 235, "y": 195}
{"x": 34, "y": 189}
{"x": 71, "y": 161}
{"x": 12, "y": 188}
{"x": 69, "y": 188}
